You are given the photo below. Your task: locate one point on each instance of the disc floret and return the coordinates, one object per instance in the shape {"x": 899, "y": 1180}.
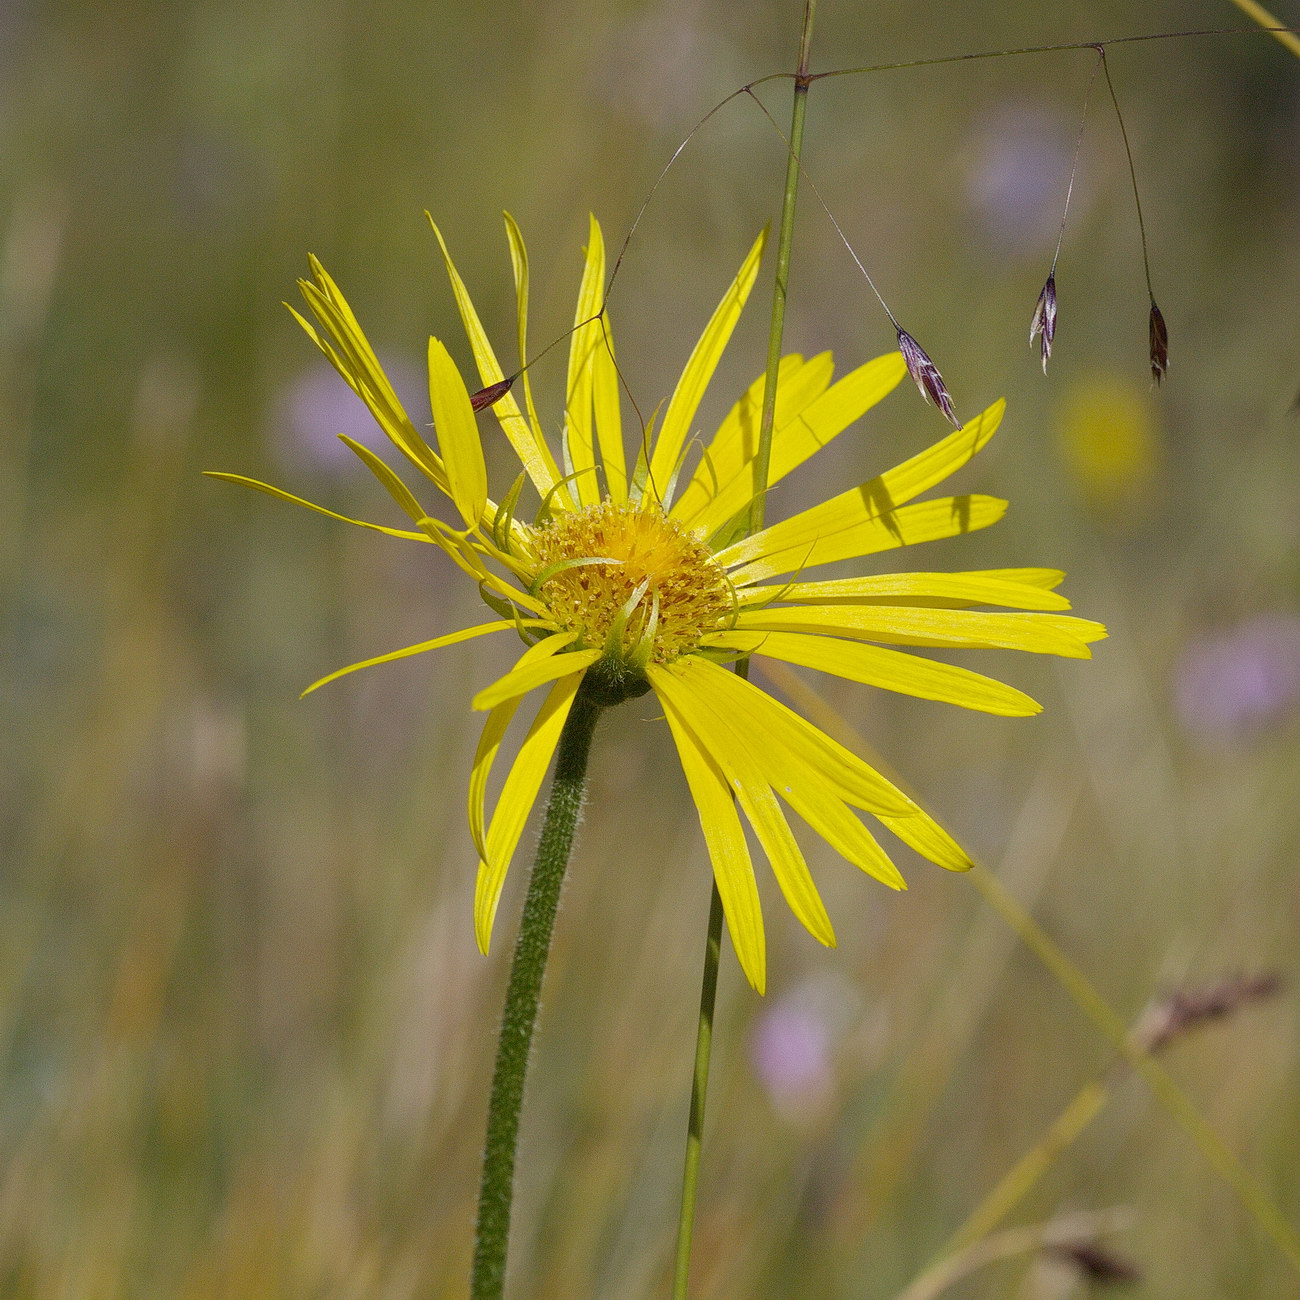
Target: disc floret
{"x": 631, "y": 582}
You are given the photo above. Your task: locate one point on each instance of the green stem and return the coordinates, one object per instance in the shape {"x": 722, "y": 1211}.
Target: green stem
{"x": 785, "y": 239}
{"x": 762, "y": 467}
{"x": 699, "y": 1087}
{"x": 520, "y": 1015}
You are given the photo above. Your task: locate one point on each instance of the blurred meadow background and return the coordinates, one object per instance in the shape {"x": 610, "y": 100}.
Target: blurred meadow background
{"x": 245, "y": 1034}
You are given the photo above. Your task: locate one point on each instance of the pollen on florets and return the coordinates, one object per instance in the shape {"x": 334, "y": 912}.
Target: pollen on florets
{"x": 629, "y": 580}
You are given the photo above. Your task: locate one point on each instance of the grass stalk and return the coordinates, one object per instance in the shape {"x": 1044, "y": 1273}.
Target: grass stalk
{"x": 762, "y": 468}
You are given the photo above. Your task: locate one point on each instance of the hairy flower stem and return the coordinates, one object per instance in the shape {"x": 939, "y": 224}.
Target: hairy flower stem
{"x": 520, "y": 1015}
{"x": 762, "y": 466}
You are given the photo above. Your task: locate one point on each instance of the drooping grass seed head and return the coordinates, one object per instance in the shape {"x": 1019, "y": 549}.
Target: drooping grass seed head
{"x": 925, "y": 375}
{"x": 1044, "y": 321}
{"x": 492, "y": 394}
{"x": 1159, "y": 340}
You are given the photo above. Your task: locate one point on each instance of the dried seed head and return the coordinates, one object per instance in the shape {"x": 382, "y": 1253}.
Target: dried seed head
{"x": 925, "y": 374}
{"x": 1159, "y": 344}
{"x": 1183, "y": 1010}
{"x": 1044, "y": 322}
{"x": 490, "y": 395}
{"x": 1098, "y": 1264}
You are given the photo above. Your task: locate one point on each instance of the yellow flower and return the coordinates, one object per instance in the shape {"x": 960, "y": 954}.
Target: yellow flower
{"x": 1109, "y": 439}
{"x": 637, "y": 579}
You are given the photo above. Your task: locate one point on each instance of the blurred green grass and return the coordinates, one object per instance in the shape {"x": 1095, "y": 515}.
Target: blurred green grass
{"x": 244, "y": 1030}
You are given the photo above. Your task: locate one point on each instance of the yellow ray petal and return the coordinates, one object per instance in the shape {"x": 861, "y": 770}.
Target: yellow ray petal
{"x": 355, "y": 360}
{"x": 435, "y": 531}
{"x": 842, "y": 830}
{"x": 852, "y": 779}
{"x": 398, "y": 490}
{"x": 930, "y": 840}
{"x": 243, "y": 481}
{"x": 489, "y": 744}
{"x": 808, "y": 432}
{"x": 915, "y": 827}
{"x": 699, "y": 370}
{"x": 732, "y": 448}
{"x": 876, "y": 497}
{"x": 802, "y": 785}
{"x": 783, "y": 853}
{"x": 733, "y": 869}
{"x": 469, "y": 558}
{"x": 349, "y": 351}
{"x": 608, "y": 416}
{"x": 349, "y": 334}
{"x": 585, "y": 342}
{"x": 518, "y": 795}
{"x": 465, "y": 633}
{"x": 926, "y": 521}
{"x": 1045, "y": 578}
{"x": 799, "y": 382}
{"x": 892, "y": 670}
{"x": 519, "y": 267}
{"x": 940, "y": 590}
{"x": 457, "y": 430}
{"x": 1055, "y": 634}
{"x": 730, "y": 750}
{"x": 529, "y": 446}
{"x": 529, "y": 674}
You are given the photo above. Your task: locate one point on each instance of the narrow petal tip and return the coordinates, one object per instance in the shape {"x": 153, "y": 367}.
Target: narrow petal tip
{"x": 925, "y": 375}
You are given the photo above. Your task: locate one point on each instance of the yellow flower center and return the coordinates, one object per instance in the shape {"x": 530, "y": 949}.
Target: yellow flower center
{"x": 629, "y": 581}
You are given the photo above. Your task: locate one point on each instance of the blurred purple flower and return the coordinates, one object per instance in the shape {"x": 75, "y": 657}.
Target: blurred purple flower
{"x": 1235, "y": 684}
{"x": 792, "y": 1045}
{"x": 791, "y": 1050}
{"x": 1019, "y": 165}
{"x": 316, "y": 406}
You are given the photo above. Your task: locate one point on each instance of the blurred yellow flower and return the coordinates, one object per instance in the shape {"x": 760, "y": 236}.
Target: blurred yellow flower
{"x": 630, "y": 580}
{"x": 1109, "y": 441}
